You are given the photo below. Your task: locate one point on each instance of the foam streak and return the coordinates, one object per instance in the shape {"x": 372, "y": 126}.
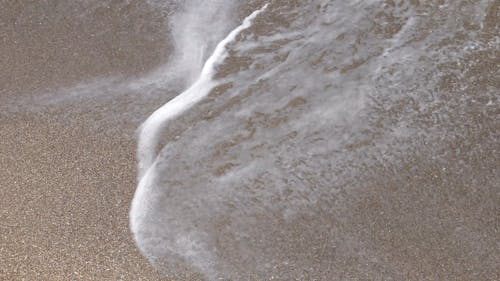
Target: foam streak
{"x": 151, "y": 129}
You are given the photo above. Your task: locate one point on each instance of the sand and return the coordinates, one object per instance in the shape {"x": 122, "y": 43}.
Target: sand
{"x": 66, "y": 180}
{"x": 68, "y": 171}
{"x": 64, "y": 204}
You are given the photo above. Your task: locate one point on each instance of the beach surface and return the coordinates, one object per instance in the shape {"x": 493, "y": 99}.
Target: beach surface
{"x": 336, "y": 140}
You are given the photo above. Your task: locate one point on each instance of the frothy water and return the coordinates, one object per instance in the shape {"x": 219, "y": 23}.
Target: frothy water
{"x": 148, "y": 141}
{"x": 310, "y": 118}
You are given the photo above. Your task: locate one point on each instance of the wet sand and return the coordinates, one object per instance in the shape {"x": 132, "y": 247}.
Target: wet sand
{"x": 52, "y": 44}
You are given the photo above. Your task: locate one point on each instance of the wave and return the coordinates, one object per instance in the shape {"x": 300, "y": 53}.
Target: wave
{"x": 322, "y": 130}
{"x": 149, "y": 138}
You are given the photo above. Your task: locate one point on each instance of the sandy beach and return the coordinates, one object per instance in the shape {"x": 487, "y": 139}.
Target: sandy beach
{"x": 332, "y": 151}
{"x": 64, "y": 204}
{"x": 67, "y": 181}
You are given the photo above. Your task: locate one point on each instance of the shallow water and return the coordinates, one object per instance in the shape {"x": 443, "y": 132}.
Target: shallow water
{"x": 336, "y": 140}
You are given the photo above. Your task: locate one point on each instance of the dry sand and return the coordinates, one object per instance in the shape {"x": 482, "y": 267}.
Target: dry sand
{"x": 64, "y": 204}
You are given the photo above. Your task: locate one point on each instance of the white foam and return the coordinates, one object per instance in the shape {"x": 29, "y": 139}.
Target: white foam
{"x": 152, "y": 127}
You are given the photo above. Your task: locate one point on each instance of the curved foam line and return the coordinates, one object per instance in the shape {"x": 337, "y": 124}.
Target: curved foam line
{"x": 150, "y": 130}
{"x": 220, "y": 52}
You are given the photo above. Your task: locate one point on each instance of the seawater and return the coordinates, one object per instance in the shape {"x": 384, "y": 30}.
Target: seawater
{"x": 327, "y": 129}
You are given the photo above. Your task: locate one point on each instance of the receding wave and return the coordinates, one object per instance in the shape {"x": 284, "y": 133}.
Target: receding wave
{"x": 322, "y": 140}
